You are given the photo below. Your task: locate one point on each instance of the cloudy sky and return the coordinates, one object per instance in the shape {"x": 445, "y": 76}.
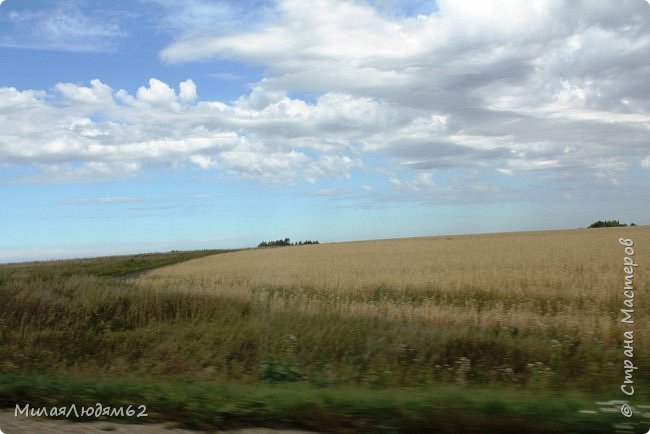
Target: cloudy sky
{"x": 151, "y": 125}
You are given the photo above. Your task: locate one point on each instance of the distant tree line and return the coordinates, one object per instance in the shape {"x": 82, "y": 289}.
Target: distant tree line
{"x": 608, "y": 224}
{"x": 285, "y": 242}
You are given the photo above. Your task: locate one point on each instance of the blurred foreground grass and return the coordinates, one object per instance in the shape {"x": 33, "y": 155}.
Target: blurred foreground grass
{"x": 210, "y": 406}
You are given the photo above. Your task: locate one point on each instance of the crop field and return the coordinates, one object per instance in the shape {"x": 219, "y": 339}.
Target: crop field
{"x": 537, "y": 308}
{"x": 529, "y": 322}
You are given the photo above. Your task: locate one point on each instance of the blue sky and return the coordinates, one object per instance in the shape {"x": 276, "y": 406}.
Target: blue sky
{"x": 151, "y": 125}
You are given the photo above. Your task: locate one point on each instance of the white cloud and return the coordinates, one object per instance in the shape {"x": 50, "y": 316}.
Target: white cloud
{"x": 98, "y": 92}
{"x": 157, "y": 93}
{"x": 93, "y": 133}
{"x": 187, "y": 91}
{"x": 553, "y": 89}
{"x": 495, "y": 83}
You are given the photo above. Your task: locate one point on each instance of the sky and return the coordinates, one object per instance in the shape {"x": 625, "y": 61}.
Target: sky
{"x": 152, "y": 125}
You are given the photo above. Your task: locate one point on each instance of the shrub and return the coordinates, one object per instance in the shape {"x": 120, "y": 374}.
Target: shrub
{"x": 607, "y": 224}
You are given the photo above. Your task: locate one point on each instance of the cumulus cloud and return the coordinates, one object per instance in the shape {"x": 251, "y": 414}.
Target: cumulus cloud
{"x": 95, "y": 132}
{"x": 97, "y": 92}
{"x": 552, "y": 89}
{"x": 187, "y": 91}
{"x": 516, "y": 86}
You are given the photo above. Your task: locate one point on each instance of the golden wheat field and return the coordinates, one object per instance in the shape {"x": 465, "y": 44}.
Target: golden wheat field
{"x": 566, "y": 280}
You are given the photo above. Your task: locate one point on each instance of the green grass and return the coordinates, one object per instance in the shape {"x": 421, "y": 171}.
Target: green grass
{"x": 213, "y": 406}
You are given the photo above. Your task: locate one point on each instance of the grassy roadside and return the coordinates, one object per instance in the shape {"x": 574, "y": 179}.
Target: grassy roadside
{"x": 211, "y": 406}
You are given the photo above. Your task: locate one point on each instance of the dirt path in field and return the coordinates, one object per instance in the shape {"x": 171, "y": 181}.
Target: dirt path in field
{"x": 9, "y": 424}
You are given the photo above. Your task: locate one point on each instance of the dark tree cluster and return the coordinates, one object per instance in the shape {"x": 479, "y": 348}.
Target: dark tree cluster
{"x": 608, "y": 224}
{"x": 302, "y": 243}
{"x": 285, "y": 242}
